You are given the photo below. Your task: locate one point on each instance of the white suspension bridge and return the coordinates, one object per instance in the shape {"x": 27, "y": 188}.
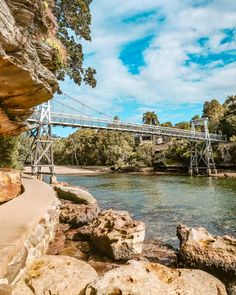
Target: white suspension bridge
{"x": 73, "y": 113}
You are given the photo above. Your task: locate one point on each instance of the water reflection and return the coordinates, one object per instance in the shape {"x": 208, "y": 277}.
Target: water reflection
{"x": 165, "y": 201}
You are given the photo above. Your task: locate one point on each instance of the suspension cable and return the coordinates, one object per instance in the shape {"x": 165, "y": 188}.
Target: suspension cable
{"x": 61, "y": 103}
{"x": 83, "y": 104}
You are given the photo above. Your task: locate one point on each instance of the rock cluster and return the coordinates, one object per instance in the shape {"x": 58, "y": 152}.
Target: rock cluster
{"x": 78, "y": 215}
{"x": 140, "y": 278}
{"x": 65, "y": 275}
{"x": 10, "y": 184}
{"x": 26, "y": 78}
{"x": 118, "y": 235}
{"x": 199, "y": 249}
{"x": 113, "y": 244}
{"x": 114, "y": 233}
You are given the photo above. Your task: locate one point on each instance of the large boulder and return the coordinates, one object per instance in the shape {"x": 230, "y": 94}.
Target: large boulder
{"x": 74, "y": 194}
{"x": 60, "y": 275}
{"x": 217, "y": 255}
{"x": 200, "y": 249}
{"x": 140, "y": 278}
{"x": 10, "y": 184}
{"x": 77, "y": 215}
{"x": 117, "y": 235}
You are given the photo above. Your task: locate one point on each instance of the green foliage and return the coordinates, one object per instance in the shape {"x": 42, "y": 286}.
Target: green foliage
{"x": 60, "y": 58}
{"x": 109, "y": 148}
{"x": 167, "y": 124}
{"x": 183, "y": 125}
{"x": 233, "y": 138}
{"x": 226, "y": 153}
{"x": 74, "y": 20}
{"x": 150, "y": 118}
{"x": 178, "y": 151}
{"x": 196, "y": 117}
{"x": 24, "y": 149}
{"x": 228, "y": 121}
{"x": 9, "y": 155}
{"x": 88, "y": 147}
{"x": 143, "y": 156}
{"x": 214, "y": 111}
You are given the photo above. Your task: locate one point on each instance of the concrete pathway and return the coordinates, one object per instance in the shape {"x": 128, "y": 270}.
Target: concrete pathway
{"x": 20, "y": 216}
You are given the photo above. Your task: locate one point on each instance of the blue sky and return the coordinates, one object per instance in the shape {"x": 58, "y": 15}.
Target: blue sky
{"x": 167, "y": 56}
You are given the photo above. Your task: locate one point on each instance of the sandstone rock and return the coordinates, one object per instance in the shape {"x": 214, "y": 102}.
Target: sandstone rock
{"x": 5, "y": 290}
{"x": 78, "y": 215}
{"x": 10, "y": 184}
{"x": 74, "y": 194}
{"x": 158, "y": 252}
{"x": 72, "y": 250}
{"x": 22, "y": 288}
{"x": 117, "y": 235}
{"x": 200, "y": 249}
{"x": 83, "y": 233}
{"x": 60, "y": 275}
{"x": 24, "y": 81}
{"x": 58, "y": 242}
{"x": 102, "y": 264}
{"x": 84, "y": 246}
{"x": 140, "y": 278}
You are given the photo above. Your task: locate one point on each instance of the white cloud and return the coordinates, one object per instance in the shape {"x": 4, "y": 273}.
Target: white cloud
{"x": 165, "y": 77}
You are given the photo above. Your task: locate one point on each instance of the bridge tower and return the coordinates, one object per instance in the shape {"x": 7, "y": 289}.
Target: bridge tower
{"x": 41, "y": 150}
{"x": 201, "y": 156}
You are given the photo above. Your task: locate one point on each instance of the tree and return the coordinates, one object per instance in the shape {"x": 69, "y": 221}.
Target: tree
{"x": 214, "y": 111}
{"x": 74, "y": 20}
{"x": 9, "y": 152}
{"x": 167, "y": 124}
{"x": 183, "y": 125}
{"x": 228, "y": 121}
{"x": 90, "y": 147}
{"x": 150, "y": 118}
{"x": 143, "y": 156}
{"x": 196, "y": 117}
{"x": 116, "y": 118}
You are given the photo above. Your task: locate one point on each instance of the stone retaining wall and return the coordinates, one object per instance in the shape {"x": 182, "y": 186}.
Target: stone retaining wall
{"x": 28, "y": 225}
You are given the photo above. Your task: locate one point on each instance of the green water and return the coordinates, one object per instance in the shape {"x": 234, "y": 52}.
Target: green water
{"x": 163, "y": 202}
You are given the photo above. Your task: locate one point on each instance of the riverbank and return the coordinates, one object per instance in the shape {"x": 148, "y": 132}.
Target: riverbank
{"x": 73, "y": 170}
{"x": 104, "y": 252}
{"x": 87, "y": 233}
{"x": 97, "y": 170}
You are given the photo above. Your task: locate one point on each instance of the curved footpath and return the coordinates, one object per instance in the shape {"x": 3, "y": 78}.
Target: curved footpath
{"x": 27, "y": 226}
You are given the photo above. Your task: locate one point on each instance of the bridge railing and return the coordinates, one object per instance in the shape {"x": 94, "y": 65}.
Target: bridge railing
{"x": 97, "y": 123}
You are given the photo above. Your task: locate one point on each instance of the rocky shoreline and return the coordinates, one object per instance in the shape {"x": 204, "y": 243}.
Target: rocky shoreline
{"x": 105, "y": 252}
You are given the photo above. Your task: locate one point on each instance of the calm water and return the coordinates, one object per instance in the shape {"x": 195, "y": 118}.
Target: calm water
{"x": 163, "y": 202}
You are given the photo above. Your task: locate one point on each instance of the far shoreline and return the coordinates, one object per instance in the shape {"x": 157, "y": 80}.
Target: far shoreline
{"x": 99, "y": 170}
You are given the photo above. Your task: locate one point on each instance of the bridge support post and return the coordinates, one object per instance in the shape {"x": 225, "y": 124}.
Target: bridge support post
{"x": 42, "y": 151}
{"x": 201, "y": 154}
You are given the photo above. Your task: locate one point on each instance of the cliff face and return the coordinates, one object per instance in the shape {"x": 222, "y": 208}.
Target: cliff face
{"x": 26, "y": 61}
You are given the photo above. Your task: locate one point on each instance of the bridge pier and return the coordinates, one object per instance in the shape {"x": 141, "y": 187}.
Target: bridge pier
{"x": 201, "y": 154}
{"x": 41, "y": 148}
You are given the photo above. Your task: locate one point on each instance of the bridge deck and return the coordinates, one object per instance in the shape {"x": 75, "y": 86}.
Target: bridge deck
{"x": 60, "y": 119}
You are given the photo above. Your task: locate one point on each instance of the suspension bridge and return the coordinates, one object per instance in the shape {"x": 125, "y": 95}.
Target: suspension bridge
{"x": 70, "y": 112}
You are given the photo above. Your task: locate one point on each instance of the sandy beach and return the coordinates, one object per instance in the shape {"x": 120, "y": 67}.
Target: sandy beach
{"x": 73, "y": 170}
